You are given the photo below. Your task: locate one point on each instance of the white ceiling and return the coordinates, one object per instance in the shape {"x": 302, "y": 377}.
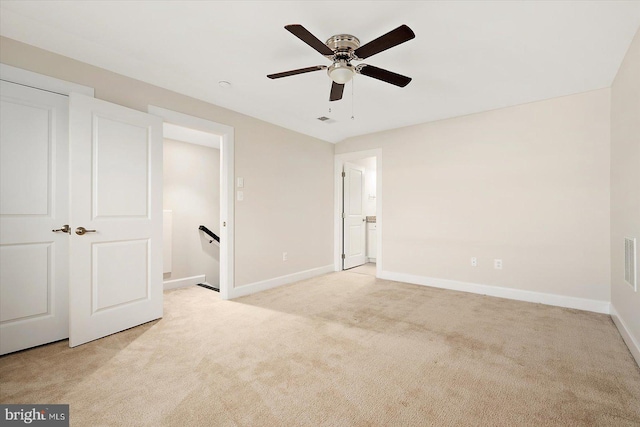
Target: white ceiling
{"x": 467, "y": 56}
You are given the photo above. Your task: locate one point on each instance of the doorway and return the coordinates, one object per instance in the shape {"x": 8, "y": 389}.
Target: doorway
{"x": 225, "y": 135}
{"x": 191, "y": 208}
{"x": 369, "y": 163}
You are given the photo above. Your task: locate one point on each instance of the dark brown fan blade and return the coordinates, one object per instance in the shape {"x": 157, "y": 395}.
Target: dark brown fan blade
{"x": 392, "y": 38}
{"x": 336, "y": 91}
{"x": 303, "y": 34}
{"x": 384, "y": 75}
{"x": 298, "y": 71}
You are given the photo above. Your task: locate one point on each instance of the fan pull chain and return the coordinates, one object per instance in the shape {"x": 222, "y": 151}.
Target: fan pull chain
{"x": 353, "y": 82}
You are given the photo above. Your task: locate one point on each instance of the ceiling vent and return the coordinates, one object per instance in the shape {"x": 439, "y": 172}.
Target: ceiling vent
{"x": 630, "y": 262}
{"x": 326, "y": 119}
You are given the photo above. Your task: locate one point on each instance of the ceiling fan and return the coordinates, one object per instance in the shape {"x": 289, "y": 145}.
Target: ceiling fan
{"x": 342, "y": 49}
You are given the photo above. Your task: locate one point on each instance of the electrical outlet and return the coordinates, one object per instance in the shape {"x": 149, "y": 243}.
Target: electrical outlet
{"x": 474, "y": 262}
{"x": 497, "y": 264}
{"x": 285, "y": 256}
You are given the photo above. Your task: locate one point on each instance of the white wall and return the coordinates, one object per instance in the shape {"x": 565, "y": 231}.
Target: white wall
{"x": 288, "y": 176}
{"x": 527, "y": 184}
{"x": 191, "y": 191}
{"x": 625, "y": 191}
{"x": 369, "y": 165}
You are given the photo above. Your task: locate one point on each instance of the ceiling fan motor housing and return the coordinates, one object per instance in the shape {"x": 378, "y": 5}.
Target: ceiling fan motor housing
{"x": 343, "y": 46}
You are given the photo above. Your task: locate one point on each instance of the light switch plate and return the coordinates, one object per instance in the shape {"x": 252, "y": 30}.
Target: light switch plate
{"x": 240, "y": 183}
{"x": 240, "y": 196}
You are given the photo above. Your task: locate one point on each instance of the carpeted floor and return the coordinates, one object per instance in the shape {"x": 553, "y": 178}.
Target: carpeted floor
{"x": 343, "y": 349}
{"x": 368, "y": 268}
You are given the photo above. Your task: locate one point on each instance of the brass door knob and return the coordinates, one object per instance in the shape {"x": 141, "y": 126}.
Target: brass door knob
{"x": 81, "y": 230}
{"x": 65, "y": 229}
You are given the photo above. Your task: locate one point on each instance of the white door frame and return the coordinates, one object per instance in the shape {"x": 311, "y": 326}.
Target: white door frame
{"x": 40, "y": 81}
{"x": 340, "y": 159}
{"x": 226, "y": 134}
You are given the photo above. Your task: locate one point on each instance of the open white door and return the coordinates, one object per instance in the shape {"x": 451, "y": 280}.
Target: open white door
{"x": 116, "y": 192}
{"x": 34, "y": 259}
{"x": 354, "y": 221}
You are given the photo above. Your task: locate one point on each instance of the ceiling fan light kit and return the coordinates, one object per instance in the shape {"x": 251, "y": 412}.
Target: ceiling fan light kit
{"x": 341, "y": 71}
{"x": 342, "y": 49}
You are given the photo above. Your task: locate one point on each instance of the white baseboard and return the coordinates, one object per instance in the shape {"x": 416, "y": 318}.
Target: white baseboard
{"x": 182, "y": 283}
{"x": 632, "y": 343}
{"x": 279, "y": 281}
{"x": 497, "y": 291}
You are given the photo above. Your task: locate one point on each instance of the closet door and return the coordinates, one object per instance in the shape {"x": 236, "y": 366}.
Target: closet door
{"x": 34, "y": 258}
{"x": 116, "y": 213}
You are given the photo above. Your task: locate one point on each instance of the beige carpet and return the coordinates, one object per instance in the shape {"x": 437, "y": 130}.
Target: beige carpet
{"x": 343, "y": 349}
{"x": 368, "y": 268}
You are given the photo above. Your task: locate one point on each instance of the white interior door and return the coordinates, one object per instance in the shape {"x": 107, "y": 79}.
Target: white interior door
{"x": 34, "y": 263}
{"x": 116, "y": 186}
{"x": 354, "y": 221}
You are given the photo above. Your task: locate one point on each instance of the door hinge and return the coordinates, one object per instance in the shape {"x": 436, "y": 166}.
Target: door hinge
{"x": 343, "y": 215}
{"x": 344, "y": 174}
{"x": 343, "y": 256}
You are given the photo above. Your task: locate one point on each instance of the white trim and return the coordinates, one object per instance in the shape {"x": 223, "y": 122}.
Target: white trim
{"x": 279, "y": 281}
{"x": 596, "y": 306}
{"x": 192, "y": 136}
{"x": 184, "y": 282}
{"x": 227, "y": 203}
{"x": 340, "y": 159}
{"x": 632, "y": 343}
{"x": 227, "y": 206}
{"x": 40, "y": 81}
{"x": 188, "y": 121}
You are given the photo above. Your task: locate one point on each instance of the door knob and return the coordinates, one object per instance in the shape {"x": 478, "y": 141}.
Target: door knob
{"x": 81, "y": 230}
{"x": 65, "y": 229}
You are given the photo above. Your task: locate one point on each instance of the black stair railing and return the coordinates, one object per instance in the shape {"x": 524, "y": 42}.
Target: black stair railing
{"x": 210, "y": 233}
